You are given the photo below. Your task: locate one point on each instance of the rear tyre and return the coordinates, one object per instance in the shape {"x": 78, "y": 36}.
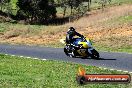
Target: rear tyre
{"x": 66, "y": 52}
{"x": 69, "y": 53}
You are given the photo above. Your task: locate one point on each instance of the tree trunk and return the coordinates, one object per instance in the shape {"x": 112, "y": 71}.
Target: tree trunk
{"x": 64, "y": 12}
{"x": 71, "y": 9}
{"x": 88, "y": 6}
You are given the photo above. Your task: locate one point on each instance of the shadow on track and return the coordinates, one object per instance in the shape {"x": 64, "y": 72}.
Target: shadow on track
{"x": 99, "y": 59}
{"x": 105, "y": 59}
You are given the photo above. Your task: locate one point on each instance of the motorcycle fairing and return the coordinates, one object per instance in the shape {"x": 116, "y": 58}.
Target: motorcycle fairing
{"x": 82, "y": 52}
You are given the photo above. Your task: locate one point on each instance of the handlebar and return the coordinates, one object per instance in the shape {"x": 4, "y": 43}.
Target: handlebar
{"x": 84, "y": 39}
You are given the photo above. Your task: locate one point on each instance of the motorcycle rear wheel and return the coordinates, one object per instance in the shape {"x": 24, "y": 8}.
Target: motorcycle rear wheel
{"x": 66, "y": 52}
{"x": 69, "y": 53}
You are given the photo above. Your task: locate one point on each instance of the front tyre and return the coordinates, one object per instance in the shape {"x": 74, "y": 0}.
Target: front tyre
{"x": 95, "y": 54}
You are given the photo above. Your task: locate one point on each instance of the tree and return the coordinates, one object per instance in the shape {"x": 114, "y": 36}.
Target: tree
{"x": 74, "y": 4}
{"x": 89, "y": 3}
{"x": 63, "y": 5}
{"x": 3, "y": 3}
{"x": 104, "y": 3}
{"x": 37, "y": 10}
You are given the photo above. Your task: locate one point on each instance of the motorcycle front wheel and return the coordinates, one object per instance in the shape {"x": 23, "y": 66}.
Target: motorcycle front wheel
{"x": 95, "y": 54}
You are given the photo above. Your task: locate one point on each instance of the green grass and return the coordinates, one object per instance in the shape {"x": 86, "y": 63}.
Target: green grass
{"x": 121, "y": 1}
{"x": 113, "y": 2}
{"x": 125, "y": 49}
{"x": 125, "y": 19}
{"x": 3, "y": 27}
{"x": 119, "y": 20}
{"x": 8, "y": 25}
{"x": 32, "y": 29}
{"x": 29, "y": 73}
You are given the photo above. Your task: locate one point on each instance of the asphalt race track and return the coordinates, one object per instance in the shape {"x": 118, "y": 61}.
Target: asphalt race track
{"x": 119, "y": 61}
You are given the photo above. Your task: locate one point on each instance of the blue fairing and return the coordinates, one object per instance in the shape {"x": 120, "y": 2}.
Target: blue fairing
{"x": 76, "y": 40}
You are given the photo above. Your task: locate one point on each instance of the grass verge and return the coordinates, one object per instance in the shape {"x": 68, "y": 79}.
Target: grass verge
{"x": 125, "y": 49}
{"x": 22, "y": 72}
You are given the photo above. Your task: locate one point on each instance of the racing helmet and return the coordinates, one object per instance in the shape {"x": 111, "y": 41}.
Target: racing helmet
{"x": 71, "y": 29}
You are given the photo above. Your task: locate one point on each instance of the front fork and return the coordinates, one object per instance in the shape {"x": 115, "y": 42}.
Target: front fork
{"x": 90, "y": 49}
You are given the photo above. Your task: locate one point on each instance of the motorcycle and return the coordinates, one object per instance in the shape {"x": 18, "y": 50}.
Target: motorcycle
{"x": 81, "y": 47}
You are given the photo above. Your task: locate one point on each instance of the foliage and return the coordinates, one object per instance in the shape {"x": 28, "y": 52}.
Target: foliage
{"x": 36, "y": 10}
{"x": 44, "y": 10}
{"x": 3, "y": 4}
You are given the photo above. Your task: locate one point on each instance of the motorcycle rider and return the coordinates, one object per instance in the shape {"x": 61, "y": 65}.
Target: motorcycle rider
{"x": 70, "y": 35}
{"x": 70, "y": 38}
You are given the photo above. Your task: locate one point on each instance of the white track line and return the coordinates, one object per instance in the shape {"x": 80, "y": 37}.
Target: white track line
{"x": 13, "y": 55}
{"x": 26, "y": 57}
{"x": 112, "y": 69}
{"x": 130, "y": 72}
{"x": 21, "y": 56}
{"x": 115, "y": 70}
{"x": 126, "y": 71}
{"x": 35, "y": 58}
{"x": 119, "y": 70}
{"x": 105, "y": 68}
{"x": 43, "y": 59}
